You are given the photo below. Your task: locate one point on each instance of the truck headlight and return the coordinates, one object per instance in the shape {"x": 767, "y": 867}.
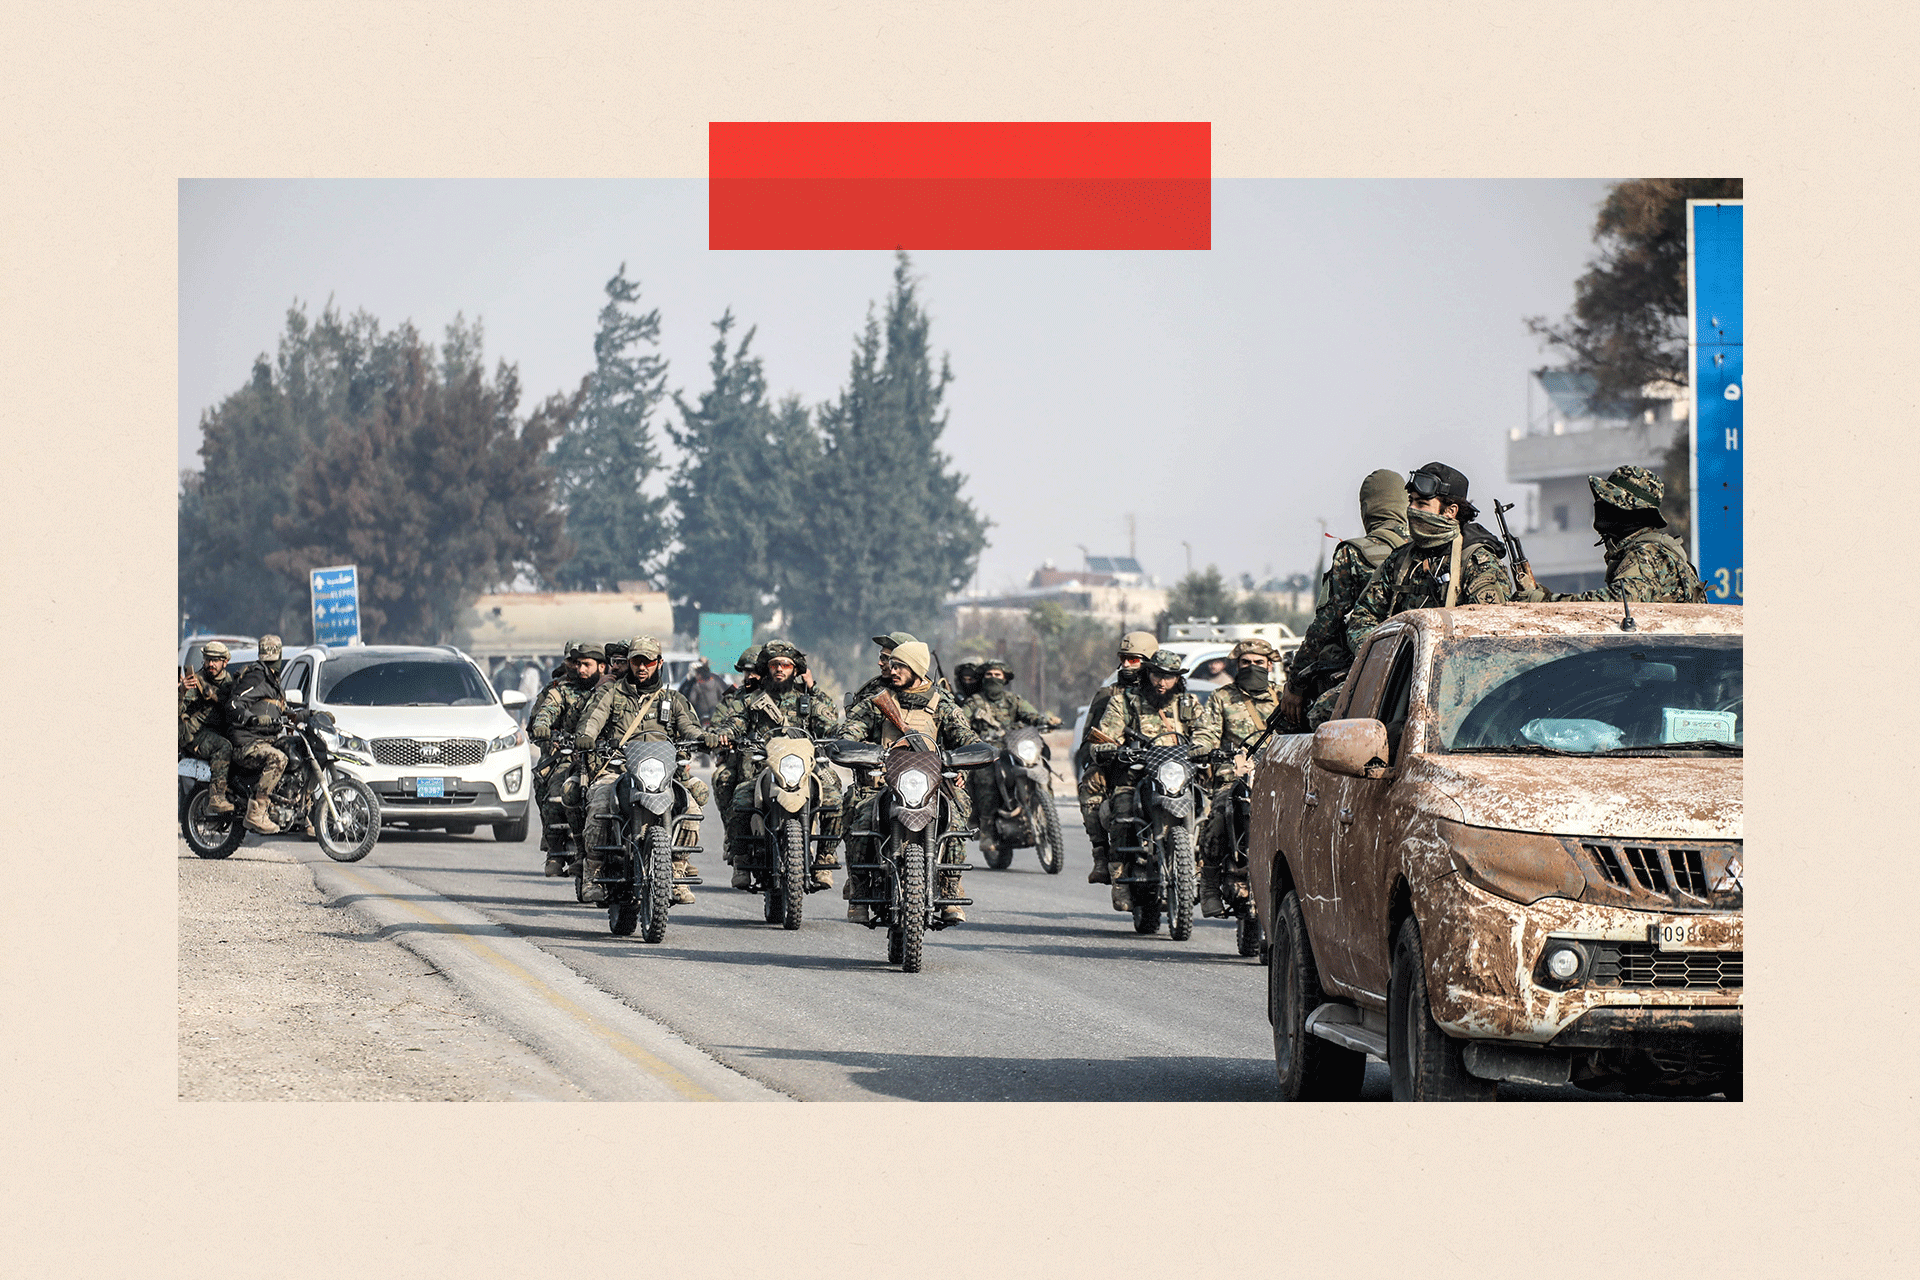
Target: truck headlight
{"x": 1172, "y": 776}
{"x": 1522, "y": 866}
{"x": 652, "y": 774}
{"x": 792, "y": 769}
{"x": 507, "y": 741}
{"x": 913, "y": 786}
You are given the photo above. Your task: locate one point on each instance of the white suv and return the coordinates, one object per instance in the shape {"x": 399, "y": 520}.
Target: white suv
{"x": 447, "y": 751}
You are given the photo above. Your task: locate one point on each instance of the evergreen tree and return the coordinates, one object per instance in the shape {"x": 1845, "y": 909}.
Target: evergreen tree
{"x": 743, "y": 466}
{"x": 607, "y": 456}
{"x": 887, "y": 535}
{"x": 1203, "y": 593}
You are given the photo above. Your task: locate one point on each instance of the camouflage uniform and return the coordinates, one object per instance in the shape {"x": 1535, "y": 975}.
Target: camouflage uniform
{"x": 761, "y": 714}
{"x": 1644, "y": 565}
{"x": 1132, "y": 716}
{"x": 1232, "y": 719}
{"x": 1095, "y": 779}
{"x": 552, "y": 726}
{"x": 867, "y": 723}
{"x": 255, "y": 702}
{"x": 727, "y": 764}
{"x": 203, "y": 723}
{"x": 991, "y": 716}
{"x": 1323, "y": 656}
{"x": 624, "y": 710}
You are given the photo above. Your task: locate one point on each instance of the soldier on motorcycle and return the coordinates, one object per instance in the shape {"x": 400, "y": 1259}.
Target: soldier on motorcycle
{"x": 255, "y": 703}
{"x": 203, "y": 720}
{"x": 784, "y": 686}
{"x": 728, "y": 764}
{"x": 552, "y": 726}
{"x": 1235, "y": 716}
{"x": 640, "y": 706}
{"x": 991, "y": 712}
{"x": 932, "y": 714}
{"x": 1095, "y": 780}
{"x": 1155, "y": 712}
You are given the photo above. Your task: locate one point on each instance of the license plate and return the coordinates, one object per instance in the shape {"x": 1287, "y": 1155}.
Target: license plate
{"x": 430, "y": 788}
{"x": 1682, "y": 935}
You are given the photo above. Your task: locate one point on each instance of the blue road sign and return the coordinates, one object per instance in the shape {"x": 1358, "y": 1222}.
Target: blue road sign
{"x": 723, "y": 636}
{"x": 1715, "y": 301}
{"x": 336, "y": 605}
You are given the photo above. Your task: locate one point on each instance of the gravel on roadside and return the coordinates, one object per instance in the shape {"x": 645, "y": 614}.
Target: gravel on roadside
{"x": 284, "y": 998}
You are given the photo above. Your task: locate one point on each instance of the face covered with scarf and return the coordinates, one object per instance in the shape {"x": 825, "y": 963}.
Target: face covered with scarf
{"x": 1430, "y": 529}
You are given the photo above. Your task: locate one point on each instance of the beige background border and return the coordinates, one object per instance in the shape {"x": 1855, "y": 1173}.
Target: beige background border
{"x": 108, "y": 105}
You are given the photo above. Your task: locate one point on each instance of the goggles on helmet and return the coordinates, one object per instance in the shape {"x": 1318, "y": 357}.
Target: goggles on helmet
{"x": 1424, "y": 484}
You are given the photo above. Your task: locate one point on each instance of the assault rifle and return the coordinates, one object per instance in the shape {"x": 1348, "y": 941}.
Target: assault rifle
{"x": 1517, "y": 565}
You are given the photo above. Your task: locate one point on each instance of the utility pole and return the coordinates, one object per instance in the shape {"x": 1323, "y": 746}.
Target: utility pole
{"x": 1189, "y": 547}
{"x": 1131, "y": 529}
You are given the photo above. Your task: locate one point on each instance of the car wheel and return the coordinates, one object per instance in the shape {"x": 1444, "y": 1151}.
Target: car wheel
{"x": 1424, "y": 1061}
{"x": 1310, "y": 1069}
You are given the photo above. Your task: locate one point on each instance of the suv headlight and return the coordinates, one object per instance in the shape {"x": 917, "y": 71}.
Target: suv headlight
{"x": 1028, "y": 751}
{"x": 652, "y": 774}
{"x": 1172, "y": 776}
{"x": 1521, "y": 866}
{"x": 344, "y": 741}
{"x": 792, "y": 769}
{"x": 507, "y": 741}
{"x": 913, "y": 786}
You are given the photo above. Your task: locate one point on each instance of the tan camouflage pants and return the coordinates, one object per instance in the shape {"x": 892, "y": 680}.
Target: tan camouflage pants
{"x": 215, "y": 750}
{"x": 271, "y": 761}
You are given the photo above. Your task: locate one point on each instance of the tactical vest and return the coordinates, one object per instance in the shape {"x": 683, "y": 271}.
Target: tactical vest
{"x": 1181, "y": 713}
{"x": 920, "y": 720}
{"x": 1374, "y": 548}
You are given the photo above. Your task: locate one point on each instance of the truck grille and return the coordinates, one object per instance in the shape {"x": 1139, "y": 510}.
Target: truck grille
{"x": 429, "y": 751}
{"x": 1640, "y": 964}
{"x": 1693, "y": 876}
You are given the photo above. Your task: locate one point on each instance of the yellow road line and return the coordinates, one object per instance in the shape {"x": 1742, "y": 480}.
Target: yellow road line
{"x": 621, "y": 1044}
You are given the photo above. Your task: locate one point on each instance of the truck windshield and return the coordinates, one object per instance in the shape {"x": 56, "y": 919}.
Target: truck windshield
{"x": 422, "y": 680}
{"x": 1590, "y": 695}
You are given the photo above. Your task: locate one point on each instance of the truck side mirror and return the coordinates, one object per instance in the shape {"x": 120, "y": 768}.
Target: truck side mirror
{"x": 1356, "y": 748}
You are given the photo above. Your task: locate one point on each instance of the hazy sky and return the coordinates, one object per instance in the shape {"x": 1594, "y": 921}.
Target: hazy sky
{"x": 1226, "y": 398}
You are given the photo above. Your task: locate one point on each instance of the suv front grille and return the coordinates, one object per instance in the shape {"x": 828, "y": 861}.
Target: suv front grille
{"x": 429, "y": 751}
{"x": 1691, "y": 876}
{"x": 1640, "y": 964}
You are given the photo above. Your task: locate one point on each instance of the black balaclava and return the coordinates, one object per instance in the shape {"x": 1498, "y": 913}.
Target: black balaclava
{"x": 1614, "y": 523}
{"x": 1252, "y": 679}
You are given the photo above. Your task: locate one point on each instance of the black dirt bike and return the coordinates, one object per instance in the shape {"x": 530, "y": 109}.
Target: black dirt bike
{"x": 1155, "y": 817}
{"x": 1023, "y": 816}
{"x": 345, "y": 812}
{"x": 1248, "y": 932}
{"x": 652, "y": 807}
{"x": 785, "y": 825}
{"x": 912, "y": 818}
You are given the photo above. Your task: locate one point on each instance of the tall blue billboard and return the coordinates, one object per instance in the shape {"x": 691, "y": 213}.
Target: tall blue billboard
{"x": 1715, "y": 299}
{"x": 336, "y": 605}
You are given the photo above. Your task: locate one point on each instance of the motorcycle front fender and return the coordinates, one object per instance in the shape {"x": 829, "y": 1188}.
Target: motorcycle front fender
{"x": 794, "y": 801}
{"x": 654, "y": 801}
{"x": 1177, "y": 805}
{"x": 913, "y": 819}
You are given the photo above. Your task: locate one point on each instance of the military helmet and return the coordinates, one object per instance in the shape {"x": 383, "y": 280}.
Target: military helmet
{"x": 1629, "y": 488}
{"x": 214, "y": 649}
{"x": 269, "y": 648}
{"x": 893, "y": 639}
{"x": 780, "y": 649}
{"x": 1254, "y": 645}
{"x": 643, "y": 649}
{"x": 995, "y": 664}
{"x": 593, "y": 651}
{"x": 1138, "y": 644}
{"x": 916, "y": 656}
{"x": 1163, "y": 662}
{"x": 748, "y": 657}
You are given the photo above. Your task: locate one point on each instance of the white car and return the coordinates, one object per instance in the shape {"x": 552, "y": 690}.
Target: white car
{"x": 446, "y": 748}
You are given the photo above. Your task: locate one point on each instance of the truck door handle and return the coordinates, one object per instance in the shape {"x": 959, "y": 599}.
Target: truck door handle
{"x": 1346, "y": 815}
{"x": 1312, "y": 799}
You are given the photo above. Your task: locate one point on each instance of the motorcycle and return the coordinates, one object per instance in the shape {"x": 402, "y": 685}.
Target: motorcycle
{"x": 571, "y": 836}
{"x": 911, "y": 820}
{"x": 1249, "y": 934}
{"x": 652, "y": 808}
{"x": 1154, "y": 820}
{"x": 786, "y": 806}
{"x": 344, "y": 810}
{"x": 1024, "y": 816}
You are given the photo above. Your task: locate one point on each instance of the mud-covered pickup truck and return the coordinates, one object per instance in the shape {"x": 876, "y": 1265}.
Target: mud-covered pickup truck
{"x": 1513, "y": 854}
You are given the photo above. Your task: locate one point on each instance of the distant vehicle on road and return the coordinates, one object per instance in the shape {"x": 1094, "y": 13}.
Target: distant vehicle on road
{"x": 1513, "y": 854}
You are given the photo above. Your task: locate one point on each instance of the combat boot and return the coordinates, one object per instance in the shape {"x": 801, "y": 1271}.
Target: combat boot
{"x": 591, "y": 869}
{"x": 682, "y": 895}
{"x": 950, "y": 887}
{"x": 556, "y": 865}
{"x": 1122, "y": 893}
{"x": 217, "y": 801}
{"x": 1211, "y": 905}
{"x": 257, "y": 819}
{"x": 1099, "y": 874}
{"x": 823, "y": 865}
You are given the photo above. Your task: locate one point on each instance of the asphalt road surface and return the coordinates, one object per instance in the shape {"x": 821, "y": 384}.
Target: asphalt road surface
{"x": 1046, "y": 994}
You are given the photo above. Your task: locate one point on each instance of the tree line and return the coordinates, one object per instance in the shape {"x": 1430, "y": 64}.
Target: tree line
{"x": 363, "y": 445}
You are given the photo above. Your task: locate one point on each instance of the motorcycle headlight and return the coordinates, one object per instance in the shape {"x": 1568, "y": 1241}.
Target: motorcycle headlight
{"x": 913, "y": 786}
{"x": 1028, "y": 752}
{"x": 507, "y": 741}
{"x": 1172, "y": 776}
{"x": 652, "y": 774}
{"x": 792, "y": 769}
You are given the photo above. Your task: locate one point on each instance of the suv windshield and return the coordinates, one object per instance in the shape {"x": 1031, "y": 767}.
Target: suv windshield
{"x": 1590, "y": 695}
{"x": 416, "y": 680}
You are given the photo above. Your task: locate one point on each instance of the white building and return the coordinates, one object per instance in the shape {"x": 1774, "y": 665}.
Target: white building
{"x": 1567, "y": 439}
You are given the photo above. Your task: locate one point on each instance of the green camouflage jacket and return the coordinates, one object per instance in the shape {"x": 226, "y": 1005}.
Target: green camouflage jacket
{"x": 663, "y": 716}
{"x": 1648, "y": 566}
{"x": 762, "y": 710}
{"x": 1129, "y": 713}
{"x": 202, "y": 708}
{"x": 1415, "y": 578}
{"x": 992, "y": 717}
{"x": 557, "y": 710}
{"x": 1233, "y": 717}
{"x": 1325, "y": 647}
